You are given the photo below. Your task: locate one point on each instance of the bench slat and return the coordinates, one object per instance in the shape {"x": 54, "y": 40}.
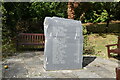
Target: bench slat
{"x": 30, "y": 39}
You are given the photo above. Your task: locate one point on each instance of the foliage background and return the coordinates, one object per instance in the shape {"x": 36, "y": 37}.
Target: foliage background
{"x": 28, "y": 17}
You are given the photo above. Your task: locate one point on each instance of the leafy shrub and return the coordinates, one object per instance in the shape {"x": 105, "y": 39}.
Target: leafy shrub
{"x": 87, "y": 47}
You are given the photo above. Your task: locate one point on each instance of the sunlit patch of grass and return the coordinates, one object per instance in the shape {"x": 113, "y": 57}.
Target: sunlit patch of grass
{"x": 99, "y": 43}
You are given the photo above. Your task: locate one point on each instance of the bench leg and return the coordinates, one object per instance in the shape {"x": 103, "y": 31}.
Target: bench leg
{"x": 16, "y": 45}
{"x": 118, "y": 55}
{"x": 108, "y": 49}
{"x": 118, "y": 73}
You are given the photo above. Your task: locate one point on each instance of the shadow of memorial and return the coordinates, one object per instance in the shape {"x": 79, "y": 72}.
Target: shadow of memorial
{"x": 87, "y": 60}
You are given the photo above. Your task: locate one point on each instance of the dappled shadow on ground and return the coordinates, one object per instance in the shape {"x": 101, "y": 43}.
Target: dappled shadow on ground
{"x": 87, "y": 60}
{"x": 24, "y": 50}
{"x": 27, "y": 52}
{"x": 30, "y": 54}
{"x": 104, "y": 35}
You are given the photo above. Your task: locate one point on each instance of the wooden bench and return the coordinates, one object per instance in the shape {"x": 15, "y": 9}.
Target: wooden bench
{"x": 30, "y": 39}
{"x": 118, "y": 73}
{"x": 117, "y": 50}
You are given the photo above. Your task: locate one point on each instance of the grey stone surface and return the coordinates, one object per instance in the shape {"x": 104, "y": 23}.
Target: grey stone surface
{"x": 22, "y": 67}
{"x": 15, "y": 70}
{"x": 63, "y": 44}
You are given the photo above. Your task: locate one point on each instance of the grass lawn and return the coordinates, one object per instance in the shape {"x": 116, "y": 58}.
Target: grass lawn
{"x": 99, "y": 41}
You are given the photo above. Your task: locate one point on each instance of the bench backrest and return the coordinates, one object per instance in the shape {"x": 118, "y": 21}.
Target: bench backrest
{"x": 30, "y": 38}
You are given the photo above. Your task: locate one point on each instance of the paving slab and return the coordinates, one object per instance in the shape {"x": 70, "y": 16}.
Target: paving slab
{"x": 31, "y": 66}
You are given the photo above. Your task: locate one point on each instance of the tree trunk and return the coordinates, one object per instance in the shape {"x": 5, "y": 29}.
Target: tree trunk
{"x": 70, "y": 10}
{"x": 71, "y": 7}
{"x": 108, "y": 21}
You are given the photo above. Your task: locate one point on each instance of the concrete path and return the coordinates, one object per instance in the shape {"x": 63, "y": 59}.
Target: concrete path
{"x": 30, "y": 64}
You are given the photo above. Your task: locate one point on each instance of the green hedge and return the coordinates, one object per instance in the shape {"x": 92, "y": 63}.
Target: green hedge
{"x": 101, "y": 28}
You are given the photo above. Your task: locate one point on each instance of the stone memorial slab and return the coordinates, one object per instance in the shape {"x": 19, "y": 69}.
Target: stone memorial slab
{"x": 63, "y": 44}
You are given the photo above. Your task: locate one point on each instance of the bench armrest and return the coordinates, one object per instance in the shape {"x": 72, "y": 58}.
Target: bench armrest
{"x": 111, "y": 45}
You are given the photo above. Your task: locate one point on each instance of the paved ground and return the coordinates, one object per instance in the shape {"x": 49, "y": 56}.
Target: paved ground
{"x": 30, "y": 64}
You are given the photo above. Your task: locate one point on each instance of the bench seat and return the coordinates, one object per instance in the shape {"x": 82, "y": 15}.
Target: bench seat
{"x": 117, "y": 50}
